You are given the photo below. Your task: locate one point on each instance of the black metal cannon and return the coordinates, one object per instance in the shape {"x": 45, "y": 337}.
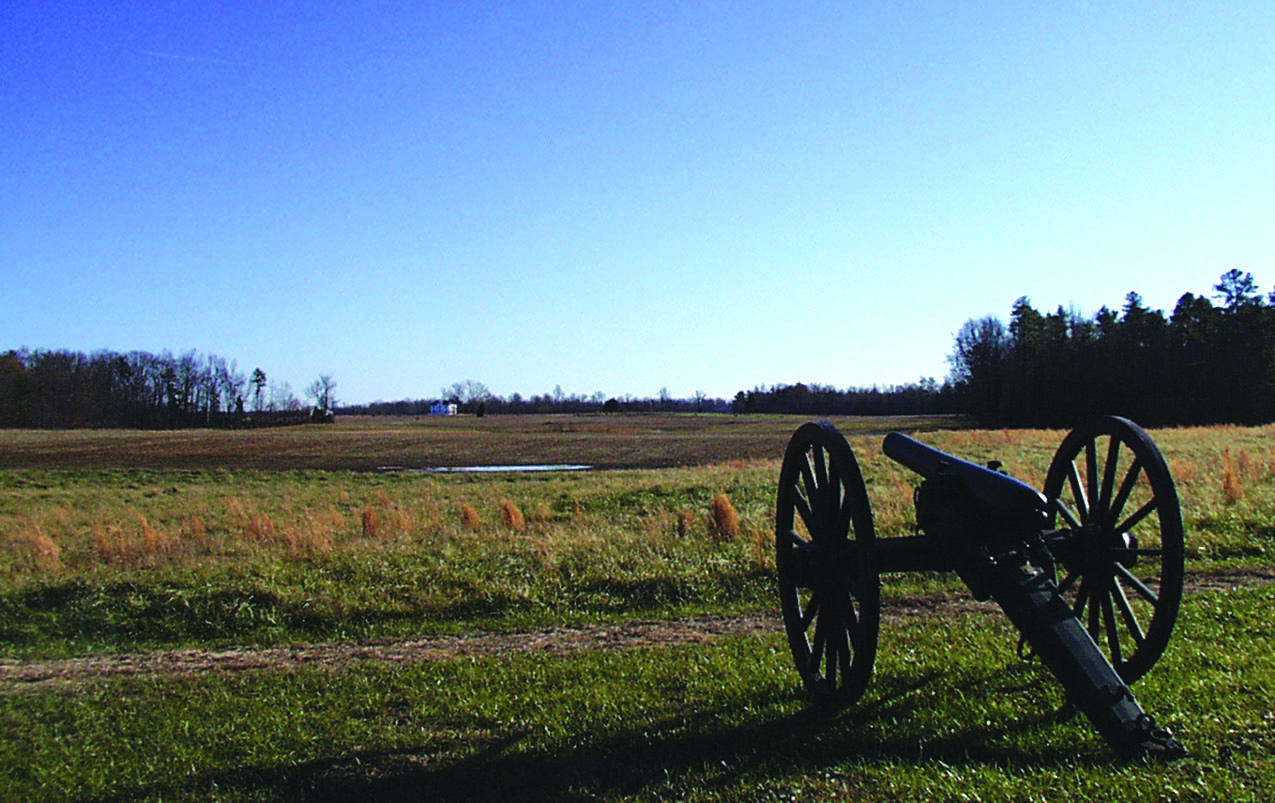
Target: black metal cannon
{"x": 1089, "y": 570}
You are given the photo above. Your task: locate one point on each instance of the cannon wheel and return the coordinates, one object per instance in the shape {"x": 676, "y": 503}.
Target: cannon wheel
{"x": 829, "y": 588}
{"x": 1118, "y": 547}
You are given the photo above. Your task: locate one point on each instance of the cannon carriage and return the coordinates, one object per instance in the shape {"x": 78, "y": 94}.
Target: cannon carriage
{"x": 1089, "y": 569}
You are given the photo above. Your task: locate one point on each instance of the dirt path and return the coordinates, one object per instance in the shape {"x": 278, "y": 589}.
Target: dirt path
{"x": 550, "y": 641}
{"x": 17, "y": 675}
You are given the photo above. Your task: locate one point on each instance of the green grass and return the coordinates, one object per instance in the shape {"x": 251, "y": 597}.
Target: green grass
{"x": 952, "y": 715}
{"x": 135, "y": 558}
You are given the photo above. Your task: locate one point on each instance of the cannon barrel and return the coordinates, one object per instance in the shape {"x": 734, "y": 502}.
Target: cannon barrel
{"x": 1015, "y": 503}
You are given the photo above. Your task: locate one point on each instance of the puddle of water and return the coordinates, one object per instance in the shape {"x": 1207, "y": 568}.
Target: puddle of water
{"x": 483, "y": 469}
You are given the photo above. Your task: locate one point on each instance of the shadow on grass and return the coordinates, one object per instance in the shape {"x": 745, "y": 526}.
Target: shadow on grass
{"x": 665, "y": 761}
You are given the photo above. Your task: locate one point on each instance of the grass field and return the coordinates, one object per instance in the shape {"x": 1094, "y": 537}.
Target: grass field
{"x": 264, "y": 615}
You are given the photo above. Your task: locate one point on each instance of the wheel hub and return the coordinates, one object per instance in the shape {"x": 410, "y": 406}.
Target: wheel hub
{"x": 1097, "y": 548}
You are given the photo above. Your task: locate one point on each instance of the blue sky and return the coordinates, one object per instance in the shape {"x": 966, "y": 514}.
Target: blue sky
{"x": 616, "y": 197}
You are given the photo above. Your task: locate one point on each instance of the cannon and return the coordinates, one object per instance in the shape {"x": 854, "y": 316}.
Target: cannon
{"x": 1089, "y": 570}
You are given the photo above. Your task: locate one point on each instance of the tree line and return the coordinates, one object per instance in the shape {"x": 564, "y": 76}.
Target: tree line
{"x": 1205, "y": 363}
{"x": 58, "y": 389}
{"x": 476, "y": 398}
{"x": 925, "y": 397}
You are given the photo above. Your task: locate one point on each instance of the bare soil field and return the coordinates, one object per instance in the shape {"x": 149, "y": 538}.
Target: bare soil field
{"x": 367, "y": 443}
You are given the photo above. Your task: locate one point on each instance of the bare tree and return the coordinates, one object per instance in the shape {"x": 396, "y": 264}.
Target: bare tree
{"x": 467, "y": 392}
{"x": 321, "y": 391}
{"x": 282, "y": 398}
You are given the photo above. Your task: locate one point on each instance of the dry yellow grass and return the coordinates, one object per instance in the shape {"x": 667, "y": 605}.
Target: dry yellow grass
{"x": 510, "y": 516}
{"x": 371, "y": 529}
{"x": 469, "y": 517}
{"x": 723, "y": 519}
{"x": 1232, "y": 485}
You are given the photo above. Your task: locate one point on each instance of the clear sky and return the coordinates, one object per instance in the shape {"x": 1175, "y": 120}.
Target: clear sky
{"x": 616, "y": 197}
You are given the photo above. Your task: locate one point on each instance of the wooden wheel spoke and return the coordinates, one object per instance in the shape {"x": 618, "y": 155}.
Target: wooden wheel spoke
{"x": 821, "y": 469}
{"x": 848, "y": 617}
{"x": 795, "y": 540}
{"x": 845, "y": 516}
{"x": 847, "y": 658}
{"x": 1067, "y": 515}
{"x": 1091, "y": 476}
{"x": 819, "y": 642}
{"x": 833, "y": 493}
{"x": 843, "y": 648}
{"x": 1113, "y": 633}
{"x": 1126, "y": 488}
{"x": 1137, "y": 517}
{"x": 1067, "y": 583}
{"x": 1109, "y": 476}
{"x": 1138, "y": 585}
{"x": 1130, "y": 619}
{"x": 811, "y": 611}
{"x": 1082, "y": 597}
{"x": 808, "y": 478}
{"x": 1078, "y": 493}
{"x": 1094, "y": 612}
{"x": 832, "y": 650}
{"x": 807, "y": 515}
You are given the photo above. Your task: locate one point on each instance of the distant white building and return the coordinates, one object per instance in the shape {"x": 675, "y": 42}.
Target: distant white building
{"x": 443, "y": 408}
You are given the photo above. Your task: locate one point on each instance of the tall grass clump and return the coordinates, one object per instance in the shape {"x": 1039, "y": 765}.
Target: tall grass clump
{"x": 511, "y": 516}
{"x": 1232, "y": 485}
{"x": 35, "y": 548}
{"x": 153, "y": 539}
{"x": 761, "y": 545}
{"x": 469, "y": 518}
{"x": 723, "y": 519}
{"x": 371, "y": 528}
{"x": 109, "y": 542}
